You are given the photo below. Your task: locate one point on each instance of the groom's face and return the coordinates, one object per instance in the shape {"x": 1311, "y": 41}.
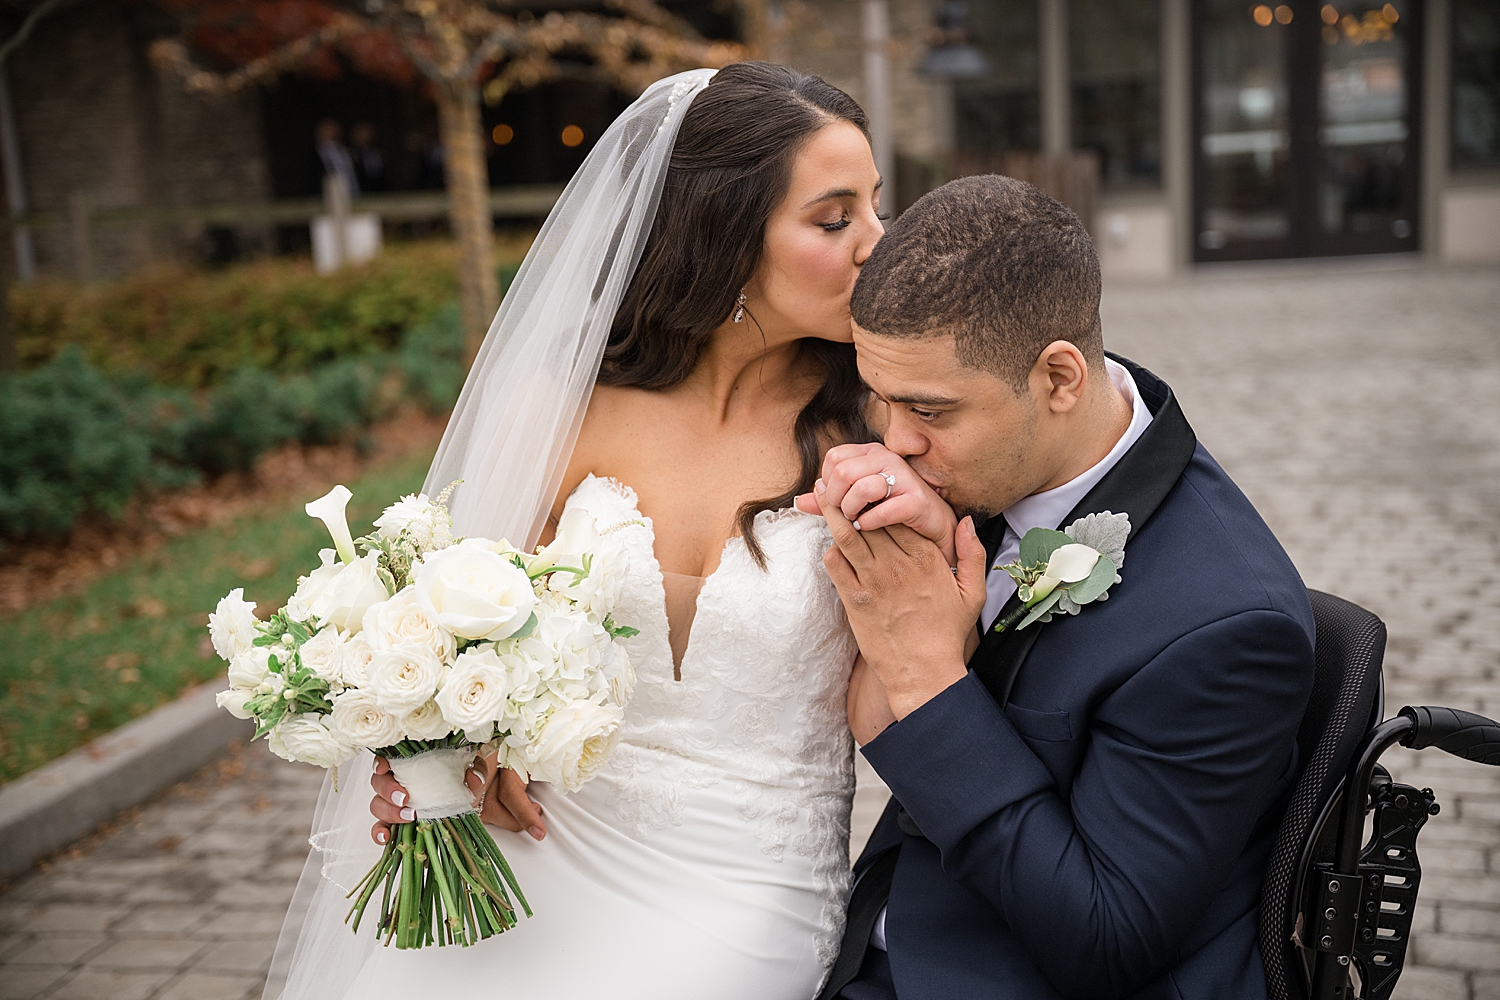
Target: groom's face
{"x": 967, "y": 432}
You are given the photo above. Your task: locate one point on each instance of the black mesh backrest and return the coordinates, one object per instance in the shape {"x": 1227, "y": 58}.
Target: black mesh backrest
{"x": 1350, "y": 647}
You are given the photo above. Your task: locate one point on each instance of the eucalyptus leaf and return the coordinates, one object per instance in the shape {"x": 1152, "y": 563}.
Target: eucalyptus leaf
{"x": 1097, "y": 582}
{"x": 1042, "y": 607}
{"x": 1038, "y": 544}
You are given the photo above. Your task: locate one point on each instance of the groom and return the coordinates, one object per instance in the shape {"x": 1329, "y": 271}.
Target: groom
{"x": 1084, "y": 807}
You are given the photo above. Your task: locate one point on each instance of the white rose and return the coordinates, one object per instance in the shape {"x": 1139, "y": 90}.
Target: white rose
{"x": 427, "y": 525}
{"x": 250, "y": 668}
{"x": 234, "y": 700}
{"x": 354, "y": 661}
{"x": 307, "y": 738}
{"x": 363, "y": 722}
{"x": 340, "y": 593}
{"x": 323, "y": 655}
{"x": 426, "y": 723}
{"x": 402, "y": 619}
{"x": 403, "y": 678}
{"x": 473, "y": 696}
{"x": 232, "y": 626}
{"x": 474, "y": 592}
{"x": 573, "y": 744}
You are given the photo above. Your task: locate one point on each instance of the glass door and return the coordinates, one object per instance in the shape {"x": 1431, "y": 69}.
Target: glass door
{"x": 1305, "y": 128}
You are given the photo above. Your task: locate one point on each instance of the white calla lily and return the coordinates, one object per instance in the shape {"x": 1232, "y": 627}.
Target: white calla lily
{"x": 1069, "y": 564}
{"x": 330, "y": 510}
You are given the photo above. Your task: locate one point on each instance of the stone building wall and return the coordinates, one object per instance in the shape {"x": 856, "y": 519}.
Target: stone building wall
{"x": 94, "y": 117}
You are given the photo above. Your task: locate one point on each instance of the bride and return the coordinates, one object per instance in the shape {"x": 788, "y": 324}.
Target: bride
{"x": 674, "y": 358}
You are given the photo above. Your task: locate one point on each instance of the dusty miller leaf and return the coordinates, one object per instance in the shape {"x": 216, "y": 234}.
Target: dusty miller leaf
{"x": 1105, "y": 533}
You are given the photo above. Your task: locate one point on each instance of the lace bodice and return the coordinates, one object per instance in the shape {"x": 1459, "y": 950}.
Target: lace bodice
{"x": 748, "y": 758}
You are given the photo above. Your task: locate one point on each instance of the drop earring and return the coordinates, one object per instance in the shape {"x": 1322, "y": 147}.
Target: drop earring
{"x": 739, "y": 307}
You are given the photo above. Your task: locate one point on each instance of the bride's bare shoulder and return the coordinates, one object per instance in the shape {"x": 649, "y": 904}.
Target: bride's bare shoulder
{"x": 613, "y": 416}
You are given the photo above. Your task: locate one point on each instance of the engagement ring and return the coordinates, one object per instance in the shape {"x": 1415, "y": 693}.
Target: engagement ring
{"x": 890, "y": 483}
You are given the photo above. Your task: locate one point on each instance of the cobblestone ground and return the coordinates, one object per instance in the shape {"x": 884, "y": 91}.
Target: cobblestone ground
{"x": 1359, "y": 409}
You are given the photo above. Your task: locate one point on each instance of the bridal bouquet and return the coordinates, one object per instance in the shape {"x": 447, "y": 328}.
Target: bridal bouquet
{"x": 427, "y": 649}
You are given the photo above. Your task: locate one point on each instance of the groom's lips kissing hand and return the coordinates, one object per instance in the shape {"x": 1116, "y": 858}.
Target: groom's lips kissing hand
{"x": 911, "y": 614}
{"x": 876, "y": 488}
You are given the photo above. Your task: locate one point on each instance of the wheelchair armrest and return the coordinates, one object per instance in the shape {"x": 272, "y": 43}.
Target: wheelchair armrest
{"x": 1460, "y": 733}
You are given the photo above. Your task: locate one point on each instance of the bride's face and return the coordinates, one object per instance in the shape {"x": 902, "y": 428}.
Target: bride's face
{"x": 818, "y": 238}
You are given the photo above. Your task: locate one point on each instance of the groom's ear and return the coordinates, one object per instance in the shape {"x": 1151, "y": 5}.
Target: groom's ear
{"x": 1060, "y": 375}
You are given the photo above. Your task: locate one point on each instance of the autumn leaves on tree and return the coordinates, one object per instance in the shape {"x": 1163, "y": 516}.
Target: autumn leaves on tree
{"x": 462, "y": 52}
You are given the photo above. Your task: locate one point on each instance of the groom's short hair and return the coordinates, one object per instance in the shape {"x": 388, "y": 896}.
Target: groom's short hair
{"x": 993, "y": 262}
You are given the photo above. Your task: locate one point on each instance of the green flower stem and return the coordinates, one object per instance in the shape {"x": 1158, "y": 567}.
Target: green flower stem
{"x": 1010, "y": 619}
{"x": 440, "y": 874}
{"x": 487, "y": 843}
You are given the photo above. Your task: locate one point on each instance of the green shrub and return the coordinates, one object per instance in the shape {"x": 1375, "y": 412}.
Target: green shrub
{"x": 77, "y": 436}
{"x": 73, "y": 441}
{"x": 195, "y": 329}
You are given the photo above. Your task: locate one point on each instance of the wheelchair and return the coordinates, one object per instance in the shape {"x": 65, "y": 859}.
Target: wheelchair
{"x": 1336, "y": 903}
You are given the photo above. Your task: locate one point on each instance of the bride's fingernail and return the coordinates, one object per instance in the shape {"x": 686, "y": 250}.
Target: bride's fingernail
{"x": 398, "y": 798}
{"x": 818, "y": 486}
{"x": 381, "y": 837}
{"x": 407, "y": 815}
{"x": 857, "y": 527}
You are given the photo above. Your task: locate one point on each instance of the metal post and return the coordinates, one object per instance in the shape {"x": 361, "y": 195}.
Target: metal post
{"x": 336, "y": 197}
{"x": 1053, "y": 82}
{"x": 1437, "y": 84}
{"x": 877, "y": 37}
{"x": 15, "y": 181}
{"x": 1177, "y": 124}
{"x": 83, "y": 243}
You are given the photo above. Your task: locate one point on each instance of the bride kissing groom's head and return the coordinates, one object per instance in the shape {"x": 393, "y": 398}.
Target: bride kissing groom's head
{"x": 769, "y": 208}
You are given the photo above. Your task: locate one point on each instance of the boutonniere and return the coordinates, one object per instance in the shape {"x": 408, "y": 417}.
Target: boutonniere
{"x": 1064, "y": 570}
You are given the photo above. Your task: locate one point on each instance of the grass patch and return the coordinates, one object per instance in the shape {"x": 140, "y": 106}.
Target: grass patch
{"x": 84, "y": 664}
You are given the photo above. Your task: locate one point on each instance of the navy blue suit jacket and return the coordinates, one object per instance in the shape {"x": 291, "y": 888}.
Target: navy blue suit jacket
{"x": 1104, "y": 833}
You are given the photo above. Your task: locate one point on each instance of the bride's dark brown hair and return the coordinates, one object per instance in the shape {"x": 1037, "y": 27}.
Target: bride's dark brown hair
{"x": 731, "y": 166}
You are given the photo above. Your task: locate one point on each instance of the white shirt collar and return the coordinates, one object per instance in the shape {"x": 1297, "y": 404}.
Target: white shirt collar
{"x": 1046, "y": 510}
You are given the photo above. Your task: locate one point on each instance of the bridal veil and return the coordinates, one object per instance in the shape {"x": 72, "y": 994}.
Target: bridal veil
{"x": 508, "y": 440}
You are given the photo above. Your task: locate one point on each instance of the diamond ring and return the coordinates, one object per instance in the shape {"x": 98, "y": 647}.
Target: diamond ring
{"x": 890, "y": 484}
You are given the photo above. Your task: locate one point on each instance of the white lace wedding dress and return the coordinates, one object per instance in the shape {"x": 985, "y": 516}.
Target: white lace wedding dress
{"x": 709, "y": 859}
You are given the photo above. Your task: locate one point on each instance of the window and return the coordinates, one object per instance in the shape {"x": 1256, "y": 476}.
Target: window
{"x": 1002, "y": 110}
{"x": 1476, "y": 83}
{"x": 1115, "y": 69}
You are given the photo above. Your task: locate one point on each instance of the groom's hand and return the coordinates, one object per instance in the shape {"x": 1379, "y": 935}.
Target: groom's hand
{"x": 854, "y": 479}
{"x": 912, "y": 615}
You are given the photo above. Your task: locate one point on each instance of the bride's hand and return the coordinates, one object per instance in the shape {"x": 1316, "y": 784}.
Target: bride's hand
{"x": 869, "y": 709}
{"x": 854, "y": 477}
{"x": 503, "y": 803}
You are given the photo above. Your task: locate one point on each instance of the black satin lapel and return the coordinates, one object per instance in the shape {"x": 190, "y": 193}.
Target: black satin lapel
{"x": 1137, "y": 485}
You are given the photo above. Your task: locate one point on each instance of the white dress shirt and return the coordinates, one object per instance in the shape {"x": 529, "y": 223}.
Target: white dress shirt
{"x": 1046, "y": 510}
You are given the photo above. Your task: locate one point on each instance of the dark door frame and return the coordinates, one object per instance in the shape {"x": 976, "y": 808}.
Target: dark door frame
{"x": 1304, "y": 89}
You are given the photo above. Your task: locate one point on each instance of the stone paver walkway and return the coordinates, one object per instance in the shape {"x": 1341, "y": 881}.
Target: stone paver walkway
{"x": 181, "y": 901}
{"x": 1359, "y": 409}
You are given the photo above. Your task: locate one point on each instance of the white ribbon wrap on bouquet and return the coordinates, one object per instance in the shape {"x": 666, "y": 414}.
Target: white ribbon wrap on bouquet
{"x": 435, "y": 782}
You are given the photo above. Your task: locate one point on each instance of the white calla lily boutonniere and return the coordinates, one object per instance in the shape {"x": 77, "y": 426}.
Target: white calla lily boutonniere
{"x": 1064, "y": 570}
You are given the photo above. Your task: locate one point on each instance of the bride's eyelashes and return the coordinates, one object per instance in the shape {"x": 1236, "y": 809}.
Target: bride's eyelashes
{"x": 843, "y": 223}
